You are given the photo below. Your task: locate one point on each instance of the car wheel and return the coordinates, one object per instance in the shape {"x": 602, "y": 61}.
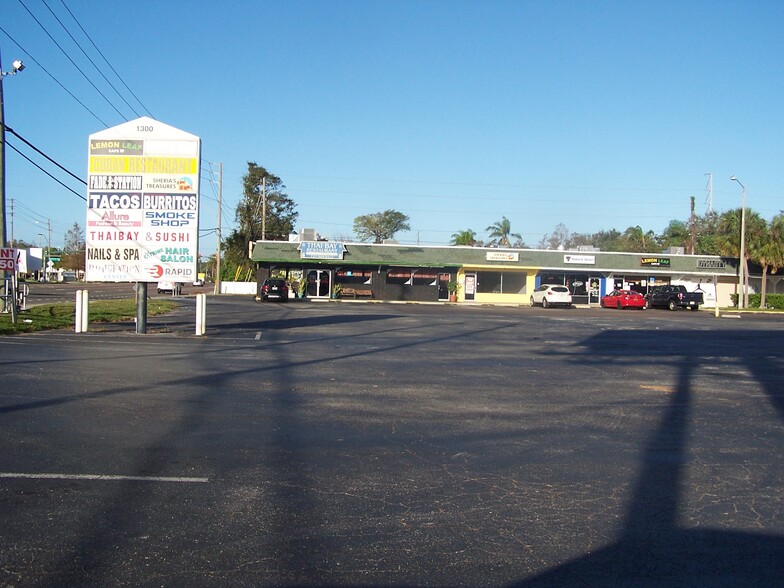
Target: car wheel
{"x": 647, "y": 304}
{"x": 620, "y": 306}
{"x": 671, "y": 305}
{"x": 695, "y": 307}
{"x": 532, "y": 301}
{"x": 545, "y": 304}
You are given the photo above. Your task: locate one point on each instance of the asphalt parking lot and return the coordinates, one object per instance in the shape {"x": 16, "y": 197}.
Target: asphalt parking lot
{"x": 395, "y": 445}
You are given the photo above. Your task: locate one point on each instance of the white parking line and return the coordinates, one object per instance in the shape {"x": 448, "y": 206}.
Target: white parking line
{"x": 258, "y": 336}
{"x": 103, "y": 478}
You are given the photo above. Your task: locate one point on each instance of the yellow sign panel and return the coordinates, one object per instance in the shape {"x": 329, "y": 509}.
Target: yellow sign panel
{"x": 150, "y": 165}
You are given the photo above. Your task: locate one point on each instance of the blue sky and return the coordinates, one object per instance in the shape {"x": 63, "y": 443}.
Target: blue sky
{"x": 597, "y": 115}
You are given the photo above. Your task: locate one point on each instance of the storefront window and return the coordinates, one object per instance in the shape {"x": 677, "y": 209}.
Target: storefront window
{"x": 399, "y": 276}
{"x": 425, "y": 278}
{"x": 488, "y": 282}
{"x": 500, "y": 282}
{"x": 353, "y": 276}
{"x": 578, "y": 283}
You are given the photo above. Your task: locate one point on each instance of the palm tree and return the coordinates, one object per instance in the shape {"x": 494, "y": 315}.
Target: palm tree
{"x": 635, "y": 239}
{"x": 771, "y": 253}
{"x": 729, "y": 239}
{"x": 501, "y": 231}
{"x": 466, "y": 237}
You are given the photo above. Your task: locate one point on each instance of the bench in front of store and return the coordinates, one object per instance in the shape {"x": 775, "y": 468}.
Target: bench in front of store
{"x": 356, "y": 293}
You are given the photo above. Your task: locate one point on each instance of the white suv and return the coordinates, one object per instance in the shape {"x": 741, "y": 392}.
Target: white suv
{"x": 551, "y": 295}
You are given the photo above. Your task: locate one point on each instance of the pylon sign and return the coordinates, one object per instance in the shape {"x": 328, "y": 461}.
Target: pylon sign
{"x": 142, "y": 203}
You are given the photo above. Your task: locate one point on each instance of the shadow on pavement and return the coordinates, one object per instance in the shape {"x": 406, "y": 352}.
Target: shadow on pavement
{"x": 652, "y": 550}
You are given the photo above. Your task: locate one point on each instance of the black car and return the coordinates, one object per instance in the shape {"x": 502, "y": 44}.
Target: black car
{"x": 274, "y": 289}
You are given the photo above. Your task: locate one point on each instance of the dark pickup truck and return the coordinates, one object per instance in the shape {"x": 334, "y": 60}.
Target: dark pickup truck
{"x": 673, "y": 297}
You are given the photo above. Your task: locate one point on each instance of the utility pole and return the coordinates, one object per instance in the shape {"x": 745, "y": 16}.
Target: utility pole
{"x": 264, "y": 208}
{"x": 692, "y": 229}
{"x": 220, "y": 238}
{"x": 709, "y": 188}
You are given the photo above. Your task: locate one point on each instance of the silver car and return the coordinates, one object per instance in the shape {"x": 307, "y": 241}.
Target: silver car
{"x": 551, "y": 295}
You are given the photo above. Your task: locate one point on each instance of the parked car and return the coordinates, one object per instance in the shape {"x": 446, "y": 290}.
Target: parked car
{"x": 551, "y": 295}
{"x": 174, "y": 288}
{"x": 621, "y": 299}
{"x": 674, "y": 297}
{"x": 275, "y": 289}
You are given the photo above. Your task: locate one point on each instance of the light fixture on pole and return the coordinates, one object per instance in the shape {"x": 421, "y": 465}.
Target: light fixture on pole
{"x": 742, "y": 262}
{"x": 17, "y": 67}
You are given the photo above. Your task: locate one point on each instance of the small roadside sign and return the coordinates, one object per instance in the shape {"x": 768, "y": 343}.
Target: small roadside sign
{"x": 9, "y": 258}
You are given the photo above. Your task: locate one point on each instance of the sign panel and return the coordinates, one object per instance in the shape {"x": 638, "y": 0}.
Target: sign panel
{"x": 581, "y": 259}
{"x": 711, "y": 264}
{"x": 655, "y": 262}
{"x": 321, "y": 250}
{"x": 10, "y": 259}
{"x": 142, "y": 204}
{"x": 502, "y": 256}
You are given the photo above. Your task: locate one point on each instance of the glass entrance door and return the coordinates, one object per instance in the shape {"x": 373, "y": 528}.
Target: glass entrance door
{"x": 318, "y": 284}
{"x": 593, "y": 290}
{"x": 443, "y": 290}
{"x": 470, "y": 286}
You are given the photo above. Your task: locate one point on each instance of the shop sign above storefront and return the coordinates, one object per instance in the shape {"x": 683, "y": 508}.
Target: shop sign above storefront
{"x": 655, "y": 262}
{"x": 502, "y": 256}
{"x": 321, "y": 250}
{"x": 581, "y": 259}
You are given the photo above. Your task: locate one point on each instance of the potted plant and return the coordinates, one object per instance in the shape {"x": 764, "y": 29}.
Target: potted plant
{"x": 302, "y": 287}
{"x": 336, "y": 290}
{"x": 453, "y": 287}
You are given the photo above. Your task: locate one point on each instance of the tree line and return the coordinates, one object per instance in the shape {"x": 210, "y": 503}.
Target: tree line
{"x": 266, "y": 211}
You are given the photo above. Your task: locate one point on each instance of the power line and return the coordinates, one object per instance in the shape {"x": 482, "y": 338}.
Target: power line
{"x": 68, "y": 57}
{"x": 18, "y": 136}
{"x": 46, "y": 71}
{"x": 46, "y": 172}
{"x": 90, "y": 59}
{"x": 119, "y": 77}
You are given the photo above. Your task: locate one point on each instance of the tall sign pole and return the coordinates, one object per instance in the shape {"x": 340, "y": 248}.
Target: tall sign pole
{"x": 142, "y": 206}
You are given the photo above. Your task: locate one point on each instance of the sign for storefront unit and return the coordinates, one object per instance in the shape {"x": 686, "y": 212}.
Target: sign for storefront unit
{"x": 142, "y": 204}
{"x": 321, "y": 250}
{"x": 582, "y": 259}
{"x": 655, "y": 262}
{"x": 502, "y": 256}
{"x": 711, "y": 264}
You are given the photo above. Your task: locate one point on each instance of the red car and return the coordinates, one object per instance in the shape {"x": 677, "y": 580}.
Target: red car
{"x": 621, "y": 299}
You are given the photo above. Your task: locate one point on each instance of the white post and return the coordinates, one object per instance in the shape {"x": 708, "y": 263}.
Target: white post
{"x": 78, "y": 320}
{"x": 85, "y": 311}
{"x": 201, "y": 314}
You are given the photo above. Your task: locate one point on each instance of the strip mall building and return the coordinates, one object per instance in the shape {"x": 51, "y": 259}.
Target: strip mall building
{"x": 395, "y": 272}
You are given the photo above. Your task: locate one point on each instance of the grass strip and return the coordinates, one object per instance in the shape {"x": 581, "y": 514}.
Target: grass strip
{"x": 46, "y": 317}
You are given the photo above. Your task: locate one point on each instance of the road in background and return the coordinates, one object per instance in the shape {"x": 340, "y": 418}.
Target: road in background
{"x": 383, "y": 444}
{"x": 59, "y": 292}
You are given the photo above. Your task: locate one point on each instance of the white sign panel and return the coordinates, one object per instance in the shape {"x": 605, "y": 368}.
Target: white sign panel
{"x": 582, "y": 259}
{"x": 142, "y": 204}
{"x": 502, "y": 256}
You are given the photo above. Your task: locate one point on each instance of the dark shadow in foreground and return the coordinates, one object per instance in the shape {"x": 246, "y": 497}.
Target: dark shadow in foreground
{"x": 652, "y": 550}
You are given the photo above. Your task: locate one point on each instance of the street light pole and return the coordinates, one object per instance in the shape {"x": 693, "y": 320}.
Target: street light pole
{"x": 17, "y": 67}
{"x": 9, "y": 284}
{"x": 47, "y": 256}
{"x": 742, "y": 270}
